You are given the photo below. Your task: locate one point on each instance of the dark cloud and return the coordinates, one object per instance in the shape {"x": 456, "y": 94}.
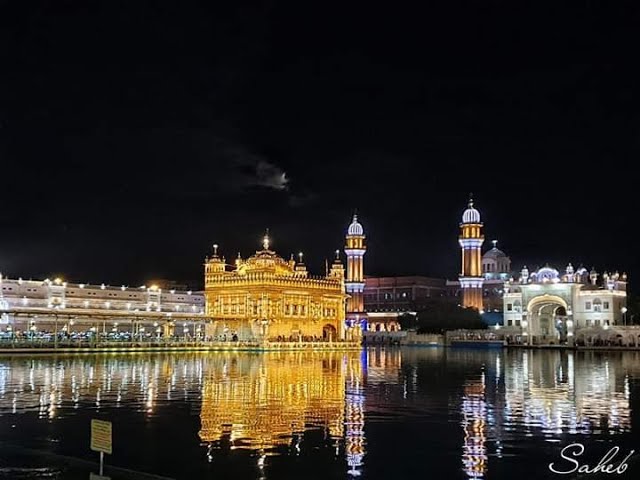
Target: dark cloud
{"x": 242, "y": 169}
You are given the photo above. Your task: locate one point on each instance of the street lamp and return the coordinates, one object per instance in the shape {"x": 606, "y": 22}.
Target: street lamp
{"x": 264, "y": 322}
{"x": 624, "y": 315}
{"x": 32, "y": 328}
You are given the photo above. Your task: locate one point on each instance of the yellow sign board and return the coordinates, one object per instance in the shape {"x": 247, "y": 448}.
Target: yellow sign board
{"x": 101, "y": 440}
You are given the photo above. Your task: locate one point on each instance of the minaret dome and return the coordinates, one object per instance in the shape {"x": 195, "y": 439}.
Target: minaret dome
{"x": 471, "y": 215}
{"x": 355, "y": 228}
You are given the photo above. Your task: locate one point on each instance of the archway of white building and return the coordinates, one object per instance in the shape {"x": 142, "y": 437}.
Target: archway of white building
{"x": 548, "y": 319}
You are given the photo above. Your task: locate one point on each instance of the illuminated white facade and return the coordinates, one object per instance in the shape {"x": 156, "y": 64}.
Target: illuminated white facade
{"x": 21, "y": 300}
{"x": 545, "y": 307}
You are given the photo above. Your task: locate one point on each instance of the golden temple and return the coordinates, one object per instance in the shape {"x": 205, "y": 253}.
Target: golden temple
{"x": 265, "y": 298}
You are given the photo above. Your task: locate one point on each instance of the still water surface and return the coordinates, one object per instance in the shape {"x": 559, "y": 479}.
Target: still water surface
{"x": 379, "y": 414}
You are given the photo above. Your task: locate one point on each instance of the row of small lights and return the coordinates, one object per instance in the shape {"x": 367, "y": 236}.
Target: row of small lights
{"x": 107, "y": 304}
{"x": 300, "y": 254}
{"x": 185, "y": 329}
{"x": 58, "y": 281}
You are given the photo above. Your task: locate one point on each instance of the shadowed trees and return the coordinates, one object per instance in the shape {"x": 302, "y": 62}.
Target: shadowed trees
{"x": 439, "y": 316}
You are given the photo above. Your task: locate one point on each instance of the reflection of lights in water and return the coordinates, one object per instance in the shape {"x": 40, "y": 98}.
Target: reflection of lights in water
{"x": 626, "y": 387}
{"x": 474, "y": 424}
{"x": 264, "y": 401}
{"x": 268, "y": 402}
{"x": 261, "y": 460}
{"x": 209, "y": 455}
{"x": 354, "y": 426}
{"x": 296, "y": 445}
{"x": 585, "y": 398}
{"x": 50, "y": 387}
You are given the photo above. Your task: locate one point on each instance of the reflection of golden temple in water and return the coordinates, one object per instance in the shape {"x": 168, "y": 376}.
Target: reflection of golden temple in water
{"x": 262, "y": 402}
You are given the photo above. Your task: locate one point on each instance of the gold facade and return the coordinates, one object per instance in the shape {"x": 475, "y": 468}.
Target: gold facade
{"x": 266, "y": 298}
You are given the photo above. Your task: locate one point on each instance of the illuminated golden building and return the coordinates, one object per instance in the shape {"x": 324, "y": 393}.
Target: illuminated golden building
{"x": 471, "y": 240}
{"x": 263, "y": 402}
{"x": 266, "y": 298}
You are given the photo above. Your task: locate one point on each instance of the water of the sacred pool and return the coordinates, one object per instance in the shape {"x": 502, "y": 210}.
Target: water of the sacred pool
{"x": 382, "y": 413}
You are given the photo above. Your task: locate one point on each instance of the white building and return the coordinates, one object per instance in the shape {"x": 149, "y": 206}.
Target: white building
{"x": 546, "y": 307}
{"x": 39, "y": 304}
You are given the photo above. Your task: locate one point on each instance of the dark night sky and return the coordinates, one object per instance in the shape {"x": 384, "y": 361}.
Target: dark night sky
{"x": 135, "y": 134}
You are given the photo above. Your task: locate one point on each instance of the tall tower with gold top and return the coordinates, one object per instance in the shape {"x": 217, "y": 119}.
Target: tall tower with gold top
{"x": 355, "y": 250}
{"x": 471, "y": 240}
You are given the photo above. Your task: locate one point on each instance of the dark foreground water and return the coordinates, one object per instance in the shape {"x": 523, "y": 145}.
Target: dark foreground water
{"x": 379, "y": 414}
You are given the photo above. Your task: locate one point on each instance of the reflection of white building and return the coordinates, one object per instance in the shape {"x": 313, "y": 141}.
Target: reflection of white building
{"x": 558, "y": 392}
{"x": 544, "y": 306}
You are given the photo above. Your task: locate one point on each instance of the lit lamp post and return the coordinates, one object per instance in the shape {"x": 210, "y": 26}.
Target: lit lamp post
{"x": 624, "y": 315}
{"x": 525, "y": 332}
{"x": 32, "y": 329}
{"x": 55, "y": 328}
{"x": 570, "y": 332}
{"x": 135, "y": 324}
